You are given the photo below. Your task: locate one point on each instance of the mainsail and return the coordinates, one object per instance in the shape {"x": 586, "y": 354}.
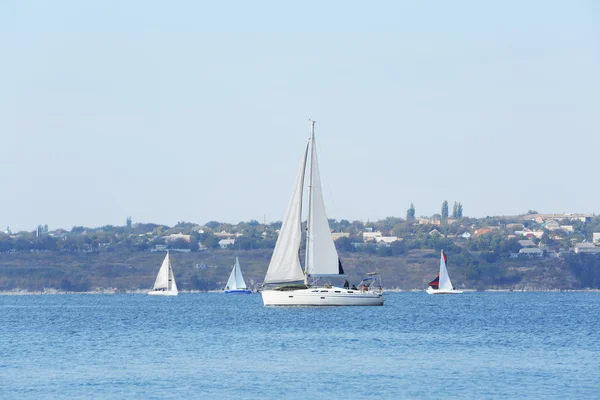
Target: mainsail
{"x": 285, "y": 261}
{"x": 165, "y": 279}
{"x": 444, "y": 283}
{"x": 322, "y": 257}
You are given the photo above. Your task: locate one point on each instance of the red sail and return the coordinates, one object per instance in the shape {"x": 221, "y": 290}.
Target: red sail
{"x": 436, "y": 282}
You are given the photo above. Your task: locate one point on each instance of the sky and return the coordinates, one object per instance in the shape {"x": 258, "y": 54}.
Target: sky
{"x": 198, "y": 111}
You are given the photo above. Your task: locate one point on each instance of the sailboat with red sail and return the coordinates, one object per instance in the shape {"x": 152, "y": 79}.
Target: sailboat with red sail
{"x": 442, "y": 284}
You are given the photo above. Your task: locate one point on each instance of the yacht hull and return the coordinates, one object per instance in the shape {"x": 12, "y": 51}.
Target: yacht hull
{"x": 162, "y": 293}
{"x": 430, "y": 290}
{"x": 238, "y": 291}
{"x": 321, "y": 297}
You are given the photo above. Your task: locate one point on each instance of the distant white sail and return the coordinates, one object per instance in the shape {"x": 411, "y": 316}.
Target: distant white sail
{"x": 165, "y": 280}
{"x": 236, "y": 280}
{"x": 444, "y": 283}
{"x": 162, "y": 279}
{"x": 239, "y": 278}
{"x": 322, "y": 257}
{"x": 231, "y": 282}
{"x": 285, "y": 261}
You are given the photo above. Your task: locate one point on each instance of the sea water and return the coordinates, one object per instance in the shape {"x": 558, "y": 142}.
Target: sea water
{"x": 214, "y": 346}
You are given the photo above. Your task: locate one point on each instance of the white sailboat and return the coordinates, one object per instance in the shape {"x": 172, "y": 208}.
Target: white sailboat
{"x": 321, "y": 256}
{"x": 236, "y": 283}
{"x": 442, "y": 284}
{"x": 165, "y": 280}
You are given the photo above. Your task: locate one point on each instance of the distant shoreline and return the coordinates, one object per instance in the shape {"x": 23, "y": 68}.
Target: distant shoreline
{"x": 53, "y": 292}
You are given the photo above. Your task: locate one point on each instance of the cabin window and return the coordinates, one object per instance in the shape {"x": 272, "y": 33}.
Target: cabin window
{"x": 337, "y": 291}
{"x": 326, "y": 291}
{"x": 290, "y": 296}
{"x": 350, "y": 291}
{"x": 323, "y": 298}
{"x": 315, "y": 291}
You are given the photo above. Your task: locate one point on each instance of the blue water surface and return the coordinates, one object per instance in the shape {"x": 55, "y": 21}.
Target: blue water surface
{"x": 211, "y": 345}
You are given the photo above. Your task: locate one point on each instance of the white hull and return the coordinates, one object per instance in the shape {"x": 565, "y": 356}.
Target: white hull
{"x": 162, "y": 293}
{"x": 321, "y": 297}
{"x": 431, "y": 290}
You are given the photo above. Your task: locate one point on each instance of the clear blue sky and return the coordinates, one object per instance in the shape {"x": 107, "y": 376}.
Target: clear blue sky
{"x": 197, "y": 111}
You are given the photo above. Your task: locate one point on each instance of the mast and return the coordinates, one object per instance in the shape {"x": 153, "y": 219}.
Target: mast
{"x": 235, "y": 271}
{"x": 169, "y": 283}
{"x": 310, "y": 184}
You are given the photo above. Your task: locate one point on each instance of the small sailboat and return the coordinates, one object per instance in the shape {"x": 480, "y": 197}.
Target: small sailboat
{"x": 236, "y": 283}
{"x": 321, "y": 259}
{"x": 165, "y": 280}
{"x": 441, "y": 284}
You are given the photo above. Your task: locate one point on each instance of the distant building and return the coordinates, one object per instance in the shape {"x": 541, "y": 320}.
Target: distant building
{"x": 465, "y": 235}
{"x": 596, "y": 237}
{"x": 527, "y": 243}
{"x": 514, "y": 227}
{"x": 386, "y": 239}
{"x": 482, "y": 231}
{"x": 175, "y": 236}
{"x": 532, "y": 252}
{"x": 586, "y": 248}
{"x": 530, "y": 234}
{"x": 227, "y": 235}
{"x": 336, "y": 235}
{"x": 434, "y": 220}
{"x": 224, "y": 243}
{"x": 541, "y": 218}
{"x": 370, "y": 236}
{"x": 197, "y": 228}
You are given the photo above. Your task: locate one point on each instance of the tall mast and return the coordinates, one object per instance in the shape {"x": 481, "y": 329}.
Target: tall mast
{"x": 169, "y": 283}
{"x": 310, "y": 184}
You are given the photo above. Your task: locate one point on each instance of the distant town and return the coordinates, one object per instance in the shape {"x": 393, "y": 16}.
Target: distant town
{"x": 531, "y": 235}
{"x": 488, "y": 251}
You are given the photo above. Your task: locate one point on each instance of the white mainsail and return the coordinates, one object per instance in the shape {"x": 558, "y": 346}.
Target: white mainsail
{"x": 285, "y": 261}
{"x": 236, "y": 280}
{"x": 239, "y": 278}
{"x": 444, "y": 283}
{"x": 162, "y": 279}
{"x": 322, "y": 257}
